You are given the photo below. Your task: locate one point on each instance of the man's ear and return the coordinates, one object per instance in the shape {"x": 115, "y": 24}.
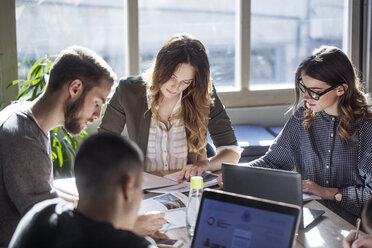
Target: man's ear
{"x": 75, "y": 89}
{"x": 342, "y": 89}
{"x": 128, "y": 189}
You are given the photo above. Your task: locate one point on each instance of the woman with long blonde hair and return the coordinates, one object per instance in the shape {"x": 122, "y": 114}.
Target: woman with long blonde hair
{"x": 168, "y": 110}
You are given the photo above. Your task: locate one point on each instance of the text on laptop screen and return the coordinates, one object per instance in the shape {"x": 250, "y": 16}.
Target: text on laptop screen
{"x": 224, "y": 225}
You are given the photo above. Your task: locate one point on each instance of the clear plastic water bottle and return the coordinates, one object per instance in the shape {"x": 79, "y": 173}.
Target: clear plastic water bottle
{"x": 192, "y": 209}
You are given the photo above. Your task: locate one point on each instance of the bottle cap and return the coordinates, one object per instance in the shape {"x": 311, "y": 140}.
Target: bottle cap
{"x": 196, "y": 182}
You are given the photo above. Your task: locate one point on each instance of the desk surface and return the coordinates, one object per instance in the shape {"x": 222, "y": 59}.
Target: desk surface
{"x": 327, "y": 231}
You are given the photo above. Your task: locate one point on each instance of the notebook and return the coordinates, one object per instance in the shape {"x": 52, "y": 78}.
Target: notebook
{"x": 276, "y": 185}
{"x": 231, "y": 220}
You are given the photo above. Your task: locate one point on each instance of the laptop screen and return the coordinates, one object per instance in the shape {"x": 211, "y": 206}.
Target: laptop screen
{"x": 231, "y": 220}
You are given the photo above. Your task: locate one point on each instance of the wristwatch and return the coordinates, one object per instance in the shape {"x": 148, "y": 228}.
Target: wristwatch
{"x": 338, "y": 196}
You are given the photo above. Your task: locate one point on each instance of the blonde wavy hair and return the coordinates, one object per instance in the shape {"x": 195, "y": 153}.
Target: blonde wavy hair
{"x": 329, "y": 64}
{"x": 197, "y": 98}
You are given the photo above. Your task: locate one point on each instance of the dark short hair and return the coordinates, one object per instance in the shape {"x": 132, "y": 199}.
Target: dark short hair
{"x": 104, "y": 161}
{"x": 77, "y": 62}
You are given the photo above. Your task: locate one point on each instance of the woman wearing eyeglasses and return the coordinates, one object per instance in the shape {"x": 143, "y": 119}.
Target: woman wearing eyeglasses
{"x": 328, "y": 139}
{"x": 169, "y": 109}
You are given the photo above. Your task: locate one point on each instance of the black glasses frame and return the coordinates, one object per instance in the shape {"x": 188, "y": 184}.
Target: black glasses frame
{"x": 314, "y": 95}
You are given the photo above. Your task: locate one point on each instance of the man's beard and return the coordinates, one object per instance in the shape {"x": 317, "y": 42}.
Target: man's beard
{"x": 72, "y": 120}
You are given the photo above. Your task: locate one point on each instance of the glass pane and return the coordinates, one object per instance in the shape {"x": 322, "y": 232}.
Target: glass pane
{"x": 283, "y": 34}
{"x": 45, "y": 27}
{"x": 211, "y": 21}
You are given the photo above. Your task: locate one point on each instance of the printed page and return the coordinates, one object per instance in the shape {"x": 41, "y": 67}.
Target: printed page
{"x": 151, "y": 181}
{"x": 164, "y": 202}
{"x": 174, "y": 206}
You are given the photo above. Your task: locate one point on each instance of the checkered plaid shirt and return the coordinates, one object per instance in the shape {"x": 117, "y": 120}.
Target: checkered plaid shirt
{"x": 321, "y": 155}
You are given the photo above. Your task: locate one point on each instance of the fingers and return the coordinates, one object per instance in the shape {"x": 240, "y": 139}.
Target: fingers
{"x": 307, "y": 186}
{"x": 363, "y": 241}
{"x": 189, "y": 171}
{"x": 348, "y": 240}
{"x": 155, "y": 214}
{"x": 156, "y": 222}
{"x": 187, "y": 174}
{"x": 219, "y": 181}
{"x": 182, "y": 174}
{"x": 149, "y": 223}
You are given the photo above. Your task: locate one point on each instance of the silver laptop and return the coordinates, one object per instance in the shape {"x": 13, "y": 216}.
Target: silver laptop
{"x": 232, "y": 220}
{"x": 276, "y": 185}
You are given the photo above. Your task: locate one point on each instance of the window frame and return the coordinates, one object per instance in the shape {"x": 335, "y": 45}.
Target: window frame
{"x": 357, "y": 44}
{"x": 246, "y": 97}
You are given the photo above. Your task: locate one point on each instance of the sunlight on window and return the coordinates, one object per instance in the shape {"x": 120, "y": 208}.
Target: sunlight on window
{"x": 287, "y": 32}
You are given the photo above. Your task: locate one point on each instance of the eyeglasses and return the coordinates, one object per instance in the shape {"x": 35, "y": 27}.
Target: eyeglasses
{"x": 314, "y": 95}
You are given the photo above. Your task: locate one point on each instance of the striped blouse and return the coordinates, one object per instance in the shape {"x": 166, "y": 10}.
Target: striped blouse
{"x": 166, "y": 149}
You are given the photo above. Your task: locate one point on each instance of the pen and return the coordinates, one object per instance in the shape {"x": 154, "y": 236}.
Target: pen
{"x": 357, "y": 229}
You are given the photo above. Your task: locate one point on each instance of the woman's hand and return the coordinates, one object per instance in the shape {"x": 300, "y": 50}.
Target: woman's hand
{"x": 362, "y": 241}
{"x": 219, "y": 181}
{"x": 149, "y": 224}
{"x": 190, "y": 170}
{"x": 309, "y": 186}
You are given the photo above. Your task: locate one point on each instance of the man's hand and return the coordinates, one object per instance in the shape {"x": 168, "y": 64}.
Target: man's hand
{"x": 149, "y": 224}
{"x": 190, "y": 170}
{"x": 363, "y": 240}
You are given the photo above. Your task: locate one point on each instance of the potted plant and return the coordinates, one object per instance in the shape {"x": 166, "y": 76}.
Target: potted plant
{"x": 63, "y": 144}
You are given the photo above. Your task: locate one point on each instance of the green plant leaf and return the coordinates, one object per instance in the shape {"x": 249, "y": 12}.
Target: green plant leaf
{"x": 83, "y": 134}
{"x": 64, "y": 144}
{"x": 33, "y": 68}
{"x": 25, "y": 83}
{"x": 23, "y": 93}
{"x": 56, "y": 146}
{"x": 15, "y": 82}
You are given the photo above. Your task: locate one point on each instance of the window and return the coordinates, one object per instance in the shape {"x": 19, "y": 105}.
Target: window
{"x": 253, "y": 46}
{"x": 211, "y": 21}
{"x": 283, "y": 34}
{"x": 47, "y": 27}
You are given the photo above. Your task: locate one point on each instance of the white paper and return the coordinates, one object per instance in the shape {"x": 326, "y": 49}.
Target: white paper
{"x": 151, "y": 181}
{"x": 66, "y": 185}
{"x": 209, "y": 179}
{"x": 175, "y": 219}
{"x": 309, "y": 197}
{"x": 174, "y": 206}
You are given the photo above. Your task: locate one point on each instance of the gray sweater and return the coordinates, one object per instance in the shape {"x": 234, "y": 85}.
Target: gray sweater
{"x": 25, "y": 166}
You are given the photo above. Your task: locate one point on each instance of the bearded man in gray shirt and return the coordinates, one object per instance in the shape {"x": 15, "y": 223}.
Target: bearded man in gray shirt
{"x": 79, "y": 83}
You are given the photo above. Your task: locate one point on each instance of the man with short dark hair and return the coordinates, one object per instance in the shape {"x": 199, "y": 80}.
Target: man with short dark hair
{"x": 108, "y": 170}
{"x": 79, "y": 83}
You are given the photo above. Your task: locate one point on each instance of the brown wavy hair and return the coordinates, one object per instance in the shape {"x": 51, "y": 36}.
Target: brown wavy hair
{"x": 329, "y": 64}
{"x": 197, "y": 98}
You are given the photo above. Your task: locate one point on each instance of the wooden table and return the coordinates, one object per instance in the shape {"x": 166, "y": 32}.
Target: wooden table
{"x": 327, "y": 231}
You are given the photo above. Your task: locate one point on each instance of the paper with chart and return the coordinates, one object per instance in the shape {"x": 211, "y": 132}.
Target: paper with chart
{"x": 209, "y": 179}
{"x": 174, "y": 206}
